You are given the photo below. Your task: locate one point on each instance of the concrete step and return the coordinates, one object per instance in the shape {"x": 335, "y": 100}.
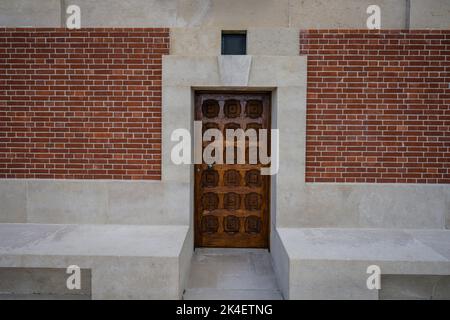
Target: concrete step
{"x": 231, "y": 274}
{"x": 230, "y": 294}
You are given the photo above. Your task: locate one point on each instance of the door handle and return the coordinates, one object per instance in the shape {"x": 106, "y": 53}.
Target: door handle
{"x": 210, "y": 166}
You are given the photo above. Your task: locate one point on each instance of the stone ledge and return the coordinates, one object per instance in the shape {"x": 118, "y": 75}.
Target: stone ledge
{"x": 332, "y": 263}
{"x": 127, "y": 262}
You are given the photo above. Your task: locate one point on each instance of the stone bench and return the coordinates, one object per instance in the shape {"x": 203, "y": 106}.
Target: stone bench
{"x": 125, "y": 261}
{"x": 332, "y": 263}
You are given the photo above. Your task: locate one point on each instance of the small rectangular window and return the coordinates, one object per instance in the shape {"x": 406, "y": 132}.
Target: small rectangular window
{"x": 234, "y": 42}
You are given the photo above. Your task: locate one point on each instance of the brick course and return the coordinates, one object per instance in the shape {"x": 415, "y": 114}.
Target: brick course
{"x": 378, "y": 106}
{"x": 82, "y": 104}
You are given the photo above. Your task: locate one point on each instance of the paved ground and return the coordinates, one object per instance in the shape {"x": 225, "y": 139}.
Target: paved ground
{"x": 232, "y": 274}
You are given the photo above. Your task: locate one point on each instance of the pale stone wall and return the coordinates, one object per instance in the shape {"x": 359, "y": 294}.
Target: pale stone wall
{"x": 153, "y": 203}
{"x": 430, "y": 14}
{"x": 93, "y": 201}
{"x": 29, "y": 13}
{"x": 367, "y": 206}
{"x": 345, "y": 14}
{"x": 235, "y": 14}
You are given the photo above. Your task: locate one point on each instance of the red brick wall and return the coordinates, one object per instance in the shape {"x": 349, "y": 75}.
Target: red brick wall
{"x": 81, "y": 104}
{"x": 378, "y": 106}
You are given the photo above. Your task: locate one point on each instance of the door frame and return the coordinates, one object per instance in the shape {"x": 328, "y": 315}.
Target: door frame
{"x": 285, "y": 77}
{"x": 270, "y": 182}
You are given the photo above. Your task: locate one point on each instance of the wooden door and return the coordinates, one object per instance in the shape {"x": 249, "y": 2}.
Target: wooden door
{"x": 232, "y": 205}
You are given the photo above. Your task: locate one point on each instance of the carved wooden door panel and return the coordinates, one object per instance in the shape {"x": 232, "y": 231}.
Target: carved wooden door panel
{"x": 232, "y": 200}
